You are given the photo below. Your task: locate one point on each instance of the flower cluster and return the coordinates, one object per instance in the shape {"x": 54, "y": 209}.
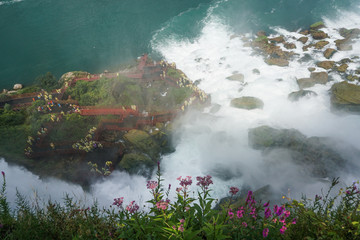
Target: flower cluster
{"x": 233, "y": 191}
{"x": 151, "y": 185}
{"x": 118, "y": 201}
{"x": 132, "y": 208}
{"x": 163, "y": 204}
{"x": 185, "y": 182}
{"x": 204, "y": 182}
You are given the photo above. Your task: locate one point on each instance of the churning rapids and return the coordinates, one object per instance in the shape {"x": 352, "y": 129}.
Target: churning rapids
{"x": 217, "y": 143}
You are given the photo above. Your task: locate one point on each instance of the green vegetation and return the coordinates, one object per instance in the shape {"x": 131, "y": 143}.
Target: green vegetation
{"x": 174, "y": 73}
{"x": 261, "y": 39}
{"x": 47, "y": 81}
{"x": 317, "y": 25}
{"x": 188, "y": 216}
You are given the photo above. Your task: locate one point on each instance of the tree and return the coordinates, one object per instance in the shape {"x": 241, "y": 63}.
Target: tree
{"x": 47, "y": 81}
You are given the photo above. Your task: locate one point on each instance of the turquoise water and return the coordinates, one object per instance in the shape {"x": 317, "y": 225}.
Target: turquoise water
{"x": 59, "y": 36}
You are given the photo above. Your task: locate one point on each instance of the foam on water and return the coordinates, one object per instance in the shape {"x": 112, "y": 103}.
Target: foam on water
{"x": 9, "y": 2}
{"x": 217, "y": 143}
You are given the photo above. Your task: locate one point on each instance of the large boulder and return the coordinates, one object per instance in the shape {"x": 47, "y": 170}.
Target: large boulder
{"x": 318, "y": 35}
{"x": 326, "y": 64}
{"x": 296, "y": 96}
{"x": 18, "y": 86}
{"x": 136, "y": 163}
{"x": 317, "y": 26}
{"x": 315, "y": 78}
{"x": 141, "y": 141}
{"x": 343, "y": 44}
{"x": 345, "y": 96}
{"x": 321, "y": 44}
{"x": 342, "y": 68}
{"x": 277, "y": 61}
{"x": 328, "y": 53}
{"x": 314, "y": 154}
{"x": 247, "y": 103}
{"x": 236, "y": 77}
{"x": 303, "y": 39}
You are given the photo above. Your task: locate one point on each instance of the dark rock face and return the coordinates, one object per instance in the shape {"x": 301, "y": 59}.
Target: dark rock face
{"x": 314, "y": 153}
{"x": 296, "y": 96}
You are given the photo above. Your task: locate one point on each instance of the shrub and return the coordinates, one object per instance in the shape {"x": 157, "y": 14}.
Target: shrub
{"x": 47, "y": 81}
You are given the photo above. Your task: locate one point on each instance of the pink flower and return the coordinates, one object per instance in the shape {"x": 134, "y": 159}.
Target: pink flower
{"x": 249, "y": 196}
{"x": 132, "y": 208}
{"x": 3, "y": 173}
{"x": 266, "y": 204}
{"x": 185, "y": 182}
{"x": 151, "y": 185}
{"x": 231, "y": 214}
{"x": 233, "y": 190}
{"x": 294, "y": 221}
{"x": 244, "y": 224}
{"x": 283, "y": 229}
{"x": 178, "y": 189}
{"x": 181, "y": 228}
{"x": 187, "y": 209}
{"x": 267, "y": 213}
{"x": 162, "y": 204}
{"x": 286, "y": 214}
{"x": 118, "y": 201}
{"x": 204, "y": 181}
{"x": 265, "y": 232}
{"x": 182, "y": 220}
{"x": 240, "y": 213}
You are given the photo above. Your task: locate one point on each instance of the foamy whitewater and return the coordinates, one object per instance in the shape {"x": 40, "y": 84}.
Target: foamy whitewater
{"x": 217, "y": 143}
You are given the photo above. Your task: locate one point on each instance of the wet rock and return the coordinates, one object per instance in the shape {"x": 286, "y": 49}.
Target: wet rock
{"x": 289, "y": 45}
{"x": 256, "y": 71}
{"x": 296, "y": 96}
{"x": 318, "y": 35}
{"x": 311, "y": 69}
{"x": 135, "y": 163}
{"x": 303, "y": 39}
{"x": 18, "y": 86}
{"x": 349, "y": 33}
{"x": 315, "y": 78}
{"x": 277, "y": 61}
{"x": 278, "y": 39}
{"x": 343, "y": 45}
{"x": 345, "y": 60}
{"x": 315, "y": 154}
{"x": 326, "y": 64}
{"x": 247, "y": 103}
{"x": 305, "y": 32}
{"x": 306, "y": 58}
{"x": 305, "y": 48}
{"x": 320, "y": 44}
{"x": 342, "y": 68}
{"x": 215, "y": 108}
{"x": 261, "y": 33}
{"x": 142, "y": 142}
{"x": 319, "y": 77}
{"x": 345, "y": 96}
{"x": 352, "y": 78}
{"x": 329, "y": 53}
{"x": 236, "y": 77}
{"x": 317, "y": 26}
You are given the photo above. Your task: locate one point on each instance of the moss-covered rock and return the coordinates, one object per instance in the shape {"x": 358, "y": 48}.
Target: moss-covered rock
{"x": 289, "y": 45}
{"x": 303, "y": 39}
{"x": 318, "y": 35}
{"x": 321, "y": 44}
{"x": 314, "y": 154}
{"x": 247, "y": 103}
{"x": 326, "y": 64}
{"x": 278, "y": 39}
{"x": 141, "y": 141}
{"x": 342, "y": 68}
{"x": 328, "y": 53}
{"x": 345, "y": 96}
{"x": 296, "y": 96}
{"x": 343, "y": 44}
{"x": 315, "y": 78}
{"x": 277, "y": 61}
{"x": 317, "y": 25}
{"x": 136, "y": 163}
